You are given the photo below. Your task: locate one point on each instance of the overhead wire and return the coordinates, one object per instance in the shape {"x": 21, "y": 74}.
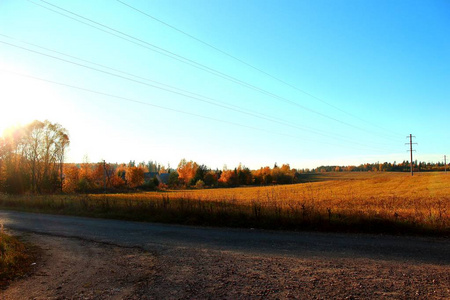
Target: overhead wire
{"x": 173, "y": 110}
{"x": 180, "y": 92}
{"x": 215, "y": 101}
{"x": 193, "y": 63}
{"x": 252, "y": 66}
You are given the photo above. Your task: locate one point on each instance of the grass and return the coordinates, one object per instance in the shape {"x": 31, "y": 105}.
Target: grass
{"x": 394, "y": 203}
{"x": 15, "y": 259}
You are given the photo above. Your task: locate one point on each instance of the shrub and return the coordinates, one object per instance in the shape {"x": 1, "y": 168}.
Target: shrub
{"x": 200, "y": 184}
{"x": 149, "y": 186}
{"x": 14, "y": 261}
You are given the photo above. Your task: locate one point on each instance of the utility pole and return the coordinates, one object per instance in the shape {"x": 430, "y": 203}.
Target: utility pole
{"x": 411, "y": 150}
{"x": 445, "y": 163}
{"x": 104, "y": 175}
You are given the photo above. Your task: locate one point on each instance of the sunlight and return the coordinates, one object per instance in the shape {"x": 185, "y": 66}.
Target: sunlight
{"x": 23, "y": 100}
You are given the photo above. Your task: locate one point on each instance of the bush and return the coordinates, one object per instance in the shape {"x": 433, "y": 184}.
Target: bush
{"x": 149, "y": 186}
{"x": 199, "y": 184}
{"x": 14, "y": 261}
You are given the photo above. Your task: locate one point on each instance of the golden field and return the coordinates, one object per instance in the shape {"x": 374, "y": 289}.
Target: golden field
{"x": 367, "y": 202}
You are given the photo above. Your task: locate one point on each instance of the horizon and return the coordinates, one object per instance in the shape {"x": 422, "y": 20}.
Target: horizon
{"x": 307, "y": 84}
{"x": 174, "y": 167}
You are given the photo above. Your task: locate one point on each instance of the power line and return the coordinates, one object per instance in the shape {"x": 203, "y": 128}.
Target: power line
{"x": 274, "y": 119}
{"x": 250, "y": 65}
{"x": 172, "y": 109}
{"x": 193, "y": 63}
{"x": 126, "y": 78}
{"x": 240, "y": 110}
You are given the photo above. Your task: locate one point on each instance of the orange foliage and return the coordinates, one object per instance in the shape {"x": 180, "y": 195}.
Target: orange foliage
{"x": 228, "y": 177}
{"x": 186, "y": 170}
{"x": 85, "y": 171}
{"x": 134, "y": 176}
{"x": 117, "y": 182}
{"x": 71, "y": 178}
{"x": 263, "y": 175}
{"x": 98, "y": 175}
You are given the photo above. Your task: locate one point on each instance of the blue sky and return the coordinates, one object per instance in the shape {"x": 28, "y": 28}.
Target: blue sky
{"x": 301, "y": 82}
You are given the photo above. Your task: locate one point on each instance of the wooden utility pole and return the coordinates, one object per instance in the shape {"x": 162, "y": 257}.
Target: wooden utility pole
{"x": 411, "y": 150}
{"x": 104, "y": 175}
{"x": 445, "y": 163}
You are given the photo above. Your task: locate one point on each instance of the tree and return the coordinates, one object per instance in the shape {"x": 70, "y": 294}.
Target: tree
{"x": 173, "y": 179}
{"x": 283, "y": 175}
{"x": 44, "y": 146}
{"x": 85, "y": 177}
{"x": 199, "y": 174}
{"x": 72, "y": 177}
{"x": 228, "y": 178}
{"x": 210, "y": 178}
{"x": 13, "y": 176}
{"x": 263, "y": 176}
{"x": 244, "y": 175}
{"x": 34, "y": 155}
{"x": 186, "y": 171}
{"x": 134, "y": 176}
{"x": 117, "y": 181}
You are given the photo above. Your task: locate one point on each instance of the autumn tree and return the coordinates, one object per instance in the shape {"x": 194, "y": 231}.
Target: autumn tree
{"x": 186, "y": 171}
{"x": 113, "y": 180}
{"x": 116, "y": 181}
{"x": 71, "y": 179}
{"x": 283, "y": 175}
{"x": 103, "y": 175}
{"x": 34, "y": 155}
{"x": 98, "y": 176}
{"x": 228, "y": 178}
{"x": 13, "y": 173}
{"x": 134, "y": 176}
{"x": 263, "y": 176}
{"x": 43, "y": 146}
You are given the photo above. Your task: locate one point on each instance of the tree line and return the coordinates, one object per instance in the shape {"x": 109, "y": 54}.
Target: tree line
{"x": 102, "y": 176}
{"x": 32, "y": 161}
{"x": 403, "y": 166}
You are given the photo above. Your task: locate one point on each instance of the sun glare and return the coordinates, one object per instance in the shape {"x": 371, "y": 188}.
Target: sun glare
{"x": 23, "y": 100}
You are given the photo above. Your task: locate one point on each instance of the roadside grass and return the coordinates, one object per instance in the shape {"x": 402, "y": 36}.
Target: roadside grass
{"x": 393, "y": 203}
{"x": 15, "y": 259}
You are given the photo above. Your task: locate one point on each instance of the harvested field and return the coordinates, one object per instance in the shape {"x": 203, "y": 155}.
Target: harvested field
{"x": 357, "y": 202}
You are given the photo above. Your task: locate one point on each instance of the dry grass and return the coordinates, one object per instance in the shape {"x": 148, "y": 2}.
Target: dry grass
{"x": 361, "y": 202}
{"x": 14, "y": 259}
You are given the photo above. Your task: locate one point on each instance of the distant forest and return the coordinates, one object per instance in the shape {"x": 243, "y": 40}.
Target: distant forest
{"x": 32, "y": 161}
{"x": 404, "y": 166}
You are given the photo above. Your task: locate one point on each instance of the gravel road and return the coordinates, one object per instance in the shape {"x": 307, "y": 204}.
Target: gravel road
{"x": 130, "y": 260}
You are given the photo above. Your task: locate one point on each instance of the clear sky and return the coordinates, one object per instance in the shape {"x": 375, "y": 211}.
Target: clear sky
{"x": 227, "y": 82}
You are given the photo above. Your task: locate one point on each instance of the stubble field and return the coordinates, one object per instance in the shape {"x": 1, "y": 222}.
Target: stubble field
{"x": 350, "y": 202}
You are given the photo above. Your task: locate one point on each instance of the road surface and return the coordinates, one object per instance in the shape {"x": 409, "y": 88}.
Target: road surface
{"x": 197, "y": 262}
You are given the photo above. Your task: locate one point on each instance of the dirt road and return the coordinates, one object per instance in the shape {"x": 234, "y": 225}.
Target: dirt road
{"x": 105, "y": 259}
